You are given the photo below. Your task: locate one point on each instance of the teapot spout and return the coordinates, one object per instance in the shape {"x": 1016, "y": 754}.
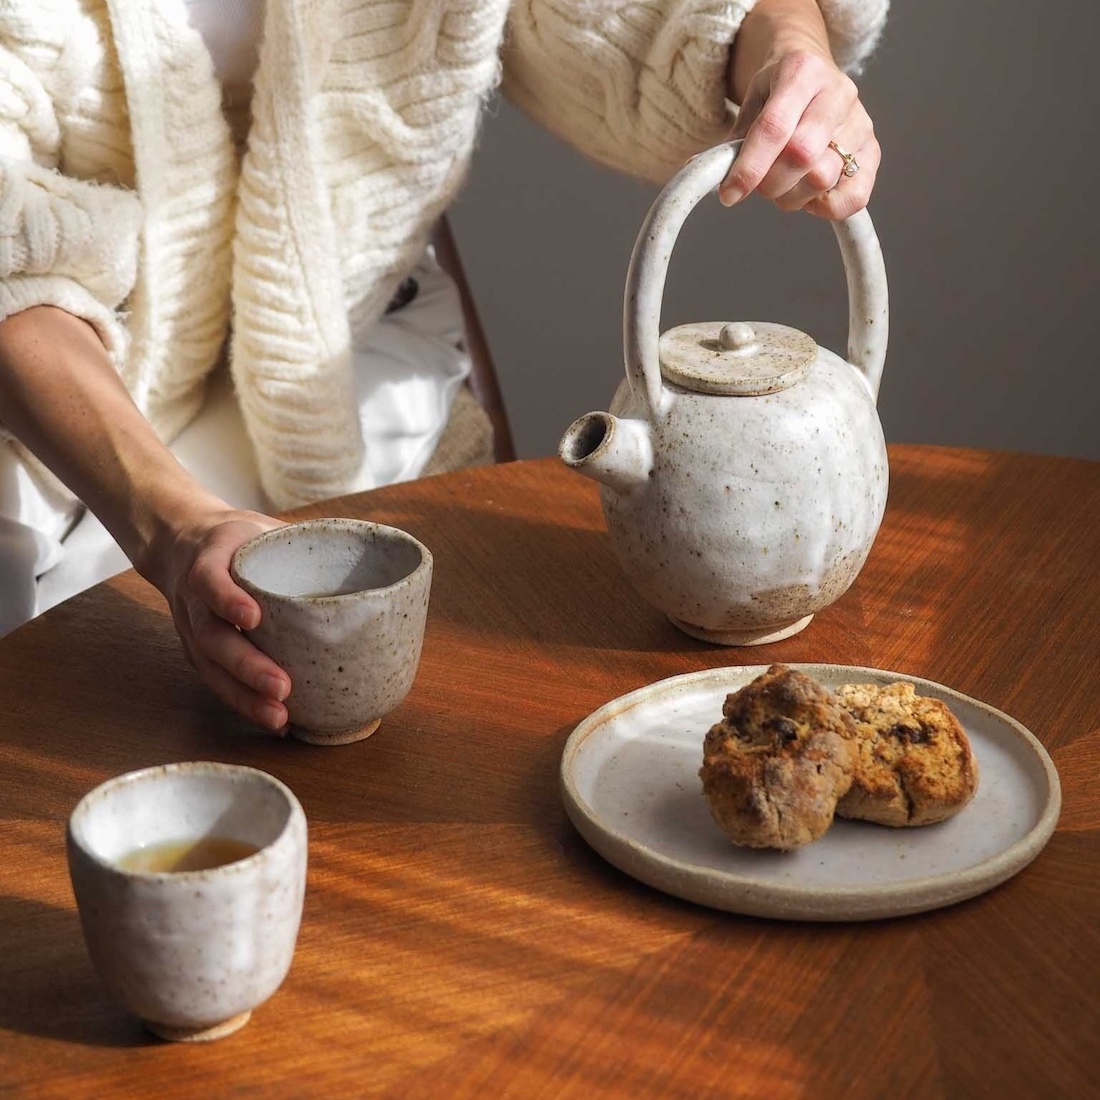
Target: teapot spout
{"x": 615, "y": 451}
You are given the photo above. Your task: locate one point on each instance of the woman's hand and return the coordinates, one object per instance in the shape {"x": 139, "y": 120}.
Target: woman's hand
{"x": 794, "y": 102}
{"x": 190, "y": 565}
{"x": 63, "y": 398}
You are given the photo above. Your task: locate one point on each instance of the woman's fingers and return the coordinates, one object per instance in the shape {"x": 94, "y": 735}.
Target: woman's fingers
{"x": 793, "y": 109}
{"x": 851, "y": 193}
{"x": 768, "y": 136}
{"x": 827, "y": 173}
{"x": 224, "y": 645}
{"x": 210, "y": 580}
{"x": 787, "y": 140}
{"x": 790, "y": 110}
{"x": 238, "y": 673}
{"x": 208, "y": 608}
{"x": 259, "y": 708}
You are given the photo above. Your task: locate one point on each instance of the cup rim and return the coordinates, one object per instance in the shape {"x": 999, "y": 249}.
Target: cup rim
{"x": 348, "y": 523}
{"x": 176, "y": 768}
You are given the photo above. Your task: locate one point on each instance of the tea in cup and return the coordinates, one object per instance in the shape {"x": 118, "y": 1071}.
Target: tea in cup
{"x": 343, "y": 606}
{"x": 189, "y": 880}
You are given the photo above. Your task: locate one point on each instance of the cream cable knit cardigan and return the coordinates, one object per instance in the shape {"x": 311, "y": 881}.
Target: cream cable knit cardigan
{"x": 122, "y": 202}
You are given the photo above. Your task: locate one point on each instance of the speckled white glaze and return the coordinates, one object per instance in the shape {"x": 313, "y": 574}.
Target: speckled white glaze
{"x": 630, "y": 783}
{"x": 190, "y": 953}
{"x": 740, "y": 514}
{"x": 343, "y": 607}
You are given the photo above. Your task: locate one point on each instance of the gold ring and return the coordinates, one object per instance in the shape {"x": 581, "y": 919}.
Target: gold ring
{"x": 851, "y": 166}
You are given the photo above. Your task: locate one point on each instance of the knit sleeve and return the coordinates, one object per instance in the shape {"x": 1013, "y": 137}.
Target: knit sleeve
{"x": 64, "y": 242}
{"x": 640, "y": 85}
{"x": 855, "y": 27}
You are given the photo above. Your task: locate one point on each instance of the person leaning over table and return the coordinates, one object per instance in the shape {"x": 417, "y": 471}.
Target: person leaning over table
{"x": 198, "y": 190}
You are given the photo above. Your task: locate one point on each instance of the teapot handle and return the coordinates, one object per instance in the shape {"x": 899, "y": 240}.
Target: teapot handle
{"x": 868, "y": 313}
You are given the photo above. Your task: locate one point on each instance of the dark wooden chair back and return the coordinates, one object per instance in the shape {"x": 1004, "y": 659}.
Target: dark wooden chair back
{"x": 484, "y": 383}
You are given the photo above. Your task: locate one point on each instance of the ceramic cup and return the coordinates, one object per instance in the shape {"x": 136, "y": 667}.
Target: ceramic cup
{"x": 191, "y": 953}
{"x": 343, "y": 604}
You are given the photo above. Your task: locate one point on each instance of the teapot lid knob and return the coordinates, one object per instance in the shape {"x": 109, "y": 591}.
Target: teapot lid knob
{"x": 737, "y": 336}
{"x": 735, "y": 358}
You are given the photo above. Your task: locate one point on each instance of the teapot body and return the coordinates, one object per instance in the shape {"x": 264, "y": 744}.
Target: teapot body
{"x": 758, "y": 510}
{"x": 742, "y": 468}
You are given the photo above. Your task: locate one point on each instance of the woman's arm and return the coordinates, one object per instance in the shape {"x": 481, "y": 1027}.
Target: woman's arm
{"x": 794, "y": 101}
{"x": 62, "y": 397}
{"x": 642, "y": 85}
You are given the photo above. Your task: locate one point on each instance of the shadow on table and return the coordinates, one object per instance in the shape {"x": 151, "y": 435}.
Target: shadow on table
{"x": 510, "y": 578}
{"x": 522, "y": 579}
{"x": 100, "y": 703}
{"x": 49, "y": 987}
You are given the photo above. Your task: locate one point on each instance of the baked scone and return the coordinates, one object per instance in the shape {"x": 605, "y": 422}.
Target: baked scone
{"x": 778, "y": 761}
{"x": 913, "y": 761}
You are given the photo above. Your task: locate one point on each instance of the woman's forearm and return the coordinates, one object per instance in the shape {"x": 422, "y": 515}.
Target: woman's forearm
{"x": 772, "y": 29}
{"x": 61, "y": 397}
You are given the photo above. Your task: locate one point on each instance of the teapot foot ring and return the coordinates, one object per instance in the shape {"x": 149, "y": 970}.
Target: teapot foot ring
{"x": 760, "y": 635}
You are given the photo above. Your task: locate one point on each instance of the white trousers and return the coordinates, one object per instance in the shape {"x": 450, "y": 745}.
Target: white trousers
{"x": 408, "y": 368}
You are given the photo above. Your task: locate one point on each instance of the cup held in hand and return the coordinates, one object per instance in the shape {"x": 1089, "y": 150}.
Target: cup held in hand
{"x": 343, "y": 606}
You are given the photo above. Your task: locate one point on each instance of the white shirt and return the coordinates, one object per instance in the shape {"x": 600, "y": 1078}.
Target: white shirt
{"x": 408, "y": 368}
{"x": 232, "y": 30}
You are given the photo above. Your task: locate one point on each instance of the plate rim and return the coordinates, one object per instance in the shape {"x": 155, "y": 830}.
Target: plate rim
{"x": 766, "y": 897}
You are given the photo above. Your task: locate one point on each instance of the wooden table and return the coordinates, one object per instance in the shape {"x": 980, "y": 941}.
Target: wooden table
{"x": 460, "y": 939}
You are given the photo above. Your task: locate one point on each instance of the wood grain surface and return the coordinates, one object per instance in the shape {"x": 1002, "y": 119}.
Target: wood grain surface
{"x": 460, "y": 939}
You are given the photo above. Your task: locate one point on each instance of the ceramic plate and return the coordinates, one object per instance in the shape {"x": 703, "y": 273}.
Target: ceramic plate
{"x": 629, "y": 777}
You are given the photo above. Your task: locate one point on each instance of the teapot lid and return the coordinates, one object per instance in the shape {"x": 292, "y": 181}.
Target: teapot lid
{"x": 735, "y": 358}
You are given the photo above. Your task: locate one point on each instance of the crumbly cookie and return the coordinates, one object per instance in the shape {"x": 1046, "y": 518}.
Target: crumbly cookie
{"x": 778, "y": 761}
{"x": 913, "y": 761}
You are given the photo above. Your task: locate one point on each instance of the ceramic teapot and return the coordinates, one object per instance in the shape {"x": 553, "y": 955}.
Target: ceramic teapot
{"x": 743, "y": 468}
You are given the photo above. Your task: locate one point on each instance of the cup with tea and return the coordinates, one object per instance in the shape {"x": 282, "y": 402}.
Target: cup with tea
{"x": 189, "y": 880}
{"x": 343, "y": 606}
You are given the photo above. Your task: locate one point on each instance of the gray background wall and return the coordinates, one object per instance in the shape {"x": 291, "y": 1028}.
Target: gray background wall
{"x": 986, "y": 206}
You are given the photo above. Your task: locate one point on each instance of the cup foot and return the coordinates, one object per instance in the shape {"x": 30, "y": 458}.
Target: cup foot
{"x": 338, "y": 737}
{"x": 198, "y": 1034}
{"x": 753, "y": 636}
